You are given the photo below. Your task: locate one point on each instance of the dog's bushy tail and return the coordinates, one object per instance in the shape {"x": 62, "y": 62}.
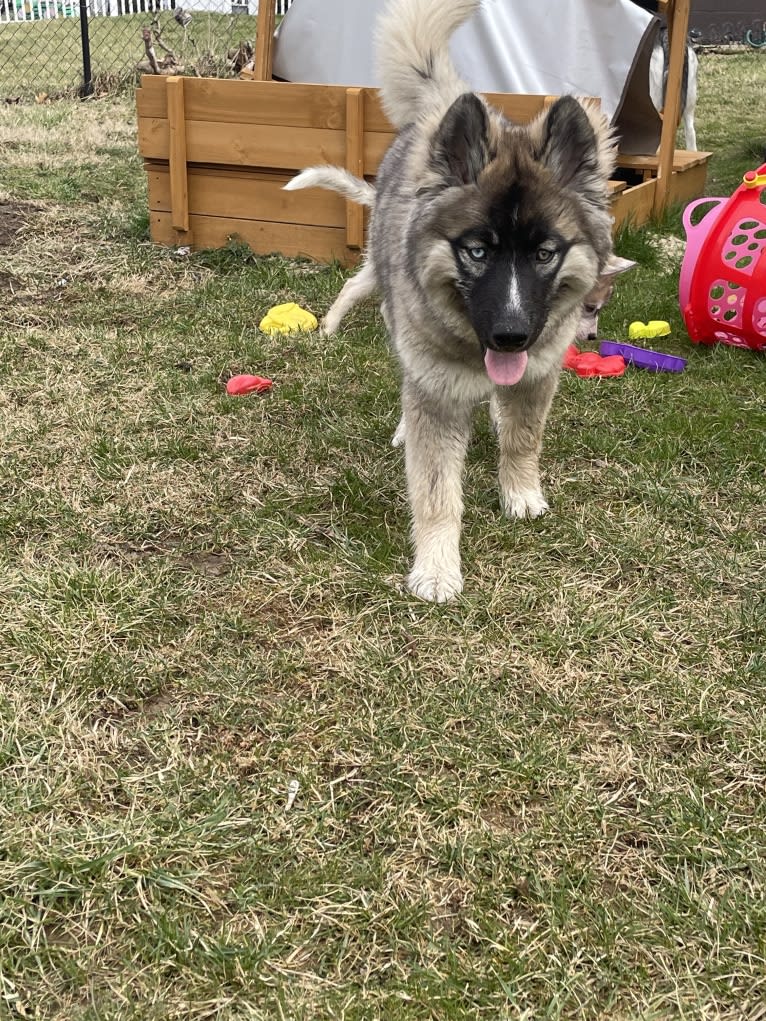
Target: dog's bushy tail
{"x": 336, "y": 179}
{"x": 416, "y": 72}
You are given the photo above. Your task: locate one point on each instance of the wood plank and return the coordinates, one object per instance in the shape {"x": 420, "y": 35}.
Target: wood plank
{"x": 374, "y": 118}
{"x": 281, "y": 148}
{"x": 265, "y": 238}
{"x": 688, "y": 185}
{"x": 264, "y": 41}
{"x": 241, "y": 102}
{"x": 678, "y": 26}
{"x": 254, "y": 195}
{"x": 154, "y": 138}
{"x": 634, "y": 205}
{"x": 232, "y": 192}
{"x": 294, "y": 104}
{"x": 323, "y": 242}
{"x": 669, "y": 11}
{"x": 683, "y": 159}
{"x": 376, "y": 145}
{"x": 151, "y": 96}
{"x": 256, "y": 146}
{"x": 518, "y": 108}
{"x": 355, "y": 164}
{"x": 179, "y": 193}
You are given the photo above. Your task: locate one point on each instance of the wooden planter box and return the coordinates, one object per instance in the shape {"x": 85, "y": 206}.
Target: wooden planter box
{"x": 217, "y": 153}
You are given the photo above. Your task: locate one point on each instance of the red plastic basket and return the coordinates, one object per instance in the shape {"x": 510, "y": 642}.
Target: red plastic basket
{"x": 722, "y": 288}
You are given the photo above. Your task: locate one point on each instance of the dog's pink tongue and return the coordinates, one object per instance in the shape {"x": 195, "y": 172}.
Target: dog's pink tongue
{"x": 505, "y": 368}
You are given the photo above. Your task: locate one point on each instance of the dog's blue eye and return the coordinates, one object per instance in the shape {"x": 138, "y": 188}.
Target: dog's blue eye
{"x": 545, "y": 254}
{"x": 477, "y": 252}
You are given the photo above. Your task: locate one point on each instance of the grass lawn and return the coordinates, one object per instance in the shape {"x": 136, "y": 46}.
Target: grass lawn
{"x": 545, "y": 800}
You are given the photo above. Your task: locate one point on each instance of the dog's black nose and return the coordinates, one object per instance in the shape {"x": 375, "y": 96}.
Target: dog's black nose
{"x": 509, "y": 341}
{"x": 591, "y": 336}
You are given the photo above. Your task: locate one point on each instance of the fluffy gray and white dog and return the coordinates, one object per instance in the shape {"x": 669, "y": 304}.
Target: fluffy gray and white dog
{"x": 486, "y": 236}
{"x": 364, "y": 284}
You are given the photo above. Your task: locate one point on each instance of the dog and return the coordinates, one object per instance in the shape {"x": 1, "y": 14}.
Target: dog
{"x": 485, "y": 239}
{"x": 658, "y": 83}
{"x": 599, "y": 295}
{"x": 363, "y": 284}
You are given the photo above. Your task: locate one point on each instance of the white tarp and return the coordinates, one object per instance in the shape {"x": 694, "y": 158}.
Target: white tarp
{"x": 532, "y": 47}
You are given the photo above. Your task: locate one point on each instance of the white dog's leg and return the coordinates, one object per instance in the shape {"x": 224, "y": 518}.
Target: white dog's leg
{"x": 690, "y": 135}
{"x": 355, "y": 289}
{"x": 520, "y": 413}
{"x": 401, "y": 433}
{"x": 437, "y": 438}
{"x": 656, "y": 69}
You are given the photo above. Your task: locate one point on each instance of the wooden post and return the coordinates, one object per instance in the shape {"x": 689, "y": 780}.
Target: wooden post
{"x": 179, "y": 181}
{"x": 355, "y": 164}
{"x": 678, "y": 27}
{"x": 264, "y": 41}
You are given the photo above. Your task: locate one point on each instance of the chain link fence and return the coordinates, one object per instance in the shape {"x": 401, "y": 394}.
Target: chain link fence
{"x": 51, "y": 48}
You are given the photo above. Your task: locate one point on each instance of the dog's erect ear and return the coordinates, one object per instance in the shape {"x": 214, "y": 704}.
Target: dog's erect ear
{"x": 570, "y": 148}
{"x": 615, "y": 266}
{"x": 460, "y": 148}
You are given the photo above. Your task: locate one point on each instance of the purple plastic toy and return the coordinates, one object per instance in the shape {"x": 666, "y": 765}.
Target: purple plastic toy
{"x": 654, "y": 361}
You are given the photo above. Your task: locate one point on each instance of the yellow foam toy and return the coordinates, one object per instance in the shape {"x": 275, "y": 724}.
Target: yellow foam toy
{"x": 289, "y": 318}
{"x": 645, "y": 331}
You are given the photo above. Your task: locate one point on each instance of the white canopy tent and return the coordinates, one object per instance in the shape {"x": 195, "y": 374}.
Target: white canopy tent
{"x": 529, "y": 47}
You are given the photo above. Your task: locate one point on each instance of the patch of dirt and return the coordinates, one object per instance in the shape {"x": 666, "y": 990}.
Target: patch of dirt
{"x": 13, "y": 217}
{"x": 158, "y": 705}
{"x": 214, "y": 565}
{"x": 9, "y": 282}
{"x": 505, "y": 820}
{"x": 451, "y": 905}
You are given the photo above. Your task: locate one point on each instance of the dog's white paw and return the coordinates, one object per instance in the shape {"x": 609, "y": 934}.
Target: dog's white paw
{"x": 400, "y": 435}
{"x": 529, "y": 503}
{"x": 433, "y": 585}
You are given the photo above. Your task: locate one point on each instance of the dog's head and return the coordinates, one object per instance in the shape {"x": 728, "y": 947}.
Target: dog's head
{"x": 525, "y": 214}
{"x": 599, "y": 295}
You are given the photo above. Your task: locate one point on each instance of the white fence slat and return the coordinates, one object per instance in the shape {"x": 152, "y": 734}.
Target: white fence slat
{"x": 42, "y": 10}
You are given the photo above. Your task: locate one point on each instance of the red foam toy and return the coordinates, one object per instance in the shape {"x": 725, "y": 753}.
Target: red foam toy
{"x": 589, "y": 363}
{"x": 238, "y": 386}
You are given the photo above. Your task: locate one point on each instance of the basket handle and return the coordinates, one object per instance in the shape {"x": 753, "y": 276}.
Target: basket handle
{"x": 690, "y": 227}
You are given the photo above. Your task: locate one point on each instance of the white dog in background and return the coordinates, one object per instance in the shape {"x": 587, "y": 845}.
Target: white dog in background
{"x": 658, "y": 83}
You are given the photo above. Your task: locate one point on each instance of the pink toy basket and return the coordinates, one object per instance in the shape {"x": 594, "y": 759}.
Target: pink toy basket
{"x": 722, "y": 288}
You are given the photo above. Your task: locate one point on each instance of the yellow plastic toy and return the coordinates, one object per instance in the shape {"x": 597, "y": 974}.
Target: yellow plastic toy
{"x": 645, "y": 331}
{"x": 288, "y": 318}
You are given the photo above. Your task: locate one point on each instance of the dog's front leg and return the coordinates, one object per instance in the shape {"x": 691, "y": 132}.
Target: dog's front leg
{"x": 519, "y": 413}
{"x": 437, "y": 438}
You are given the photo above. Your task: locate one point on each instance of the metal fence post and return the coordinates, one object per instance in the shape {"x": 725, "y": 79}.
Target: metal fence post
{"x": 87, "y": 74}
